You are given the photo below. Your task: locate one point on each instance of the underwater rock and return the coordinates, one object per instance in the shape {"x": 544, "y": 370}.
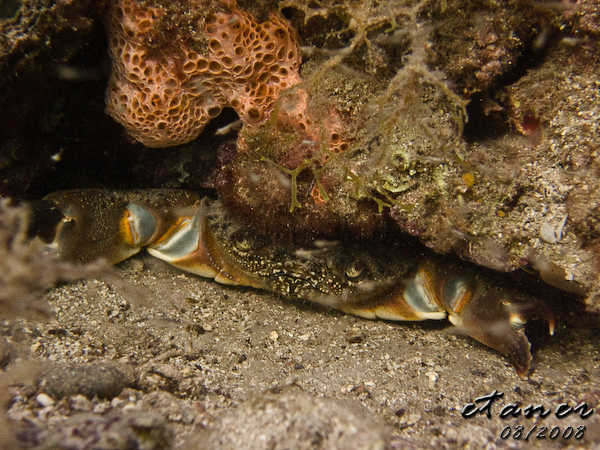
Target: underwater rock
{"x": 102, "y": 379}
{"x": 477, "y": 43}
{"x": 116, "y": 431}
{"x": 492, "y": 189}
{"x": 294, "y": 420}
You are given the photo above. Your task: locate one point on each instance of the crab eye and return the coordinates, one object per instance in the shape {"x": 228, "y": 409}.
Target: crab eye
{"x": 355, "y": 271}
{"x": 242, "y": 241}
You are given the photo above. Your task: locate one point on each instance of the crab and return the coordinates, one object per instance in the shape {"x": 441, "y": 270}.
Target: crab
{"x": 388, "y": 278}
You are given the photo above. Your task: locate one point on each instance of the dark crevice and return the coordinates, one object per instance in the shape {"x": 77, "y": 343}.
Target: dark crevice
{"x": 487, "y": 117}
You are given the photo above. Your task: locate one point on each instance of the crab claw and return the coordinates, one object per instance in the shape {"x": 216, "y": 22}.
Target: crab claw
{"x": 485, "y": 313}
{"x": 86, "y": 224}
{"x": 95, "y": 223}
{"x": 193, "y": 247}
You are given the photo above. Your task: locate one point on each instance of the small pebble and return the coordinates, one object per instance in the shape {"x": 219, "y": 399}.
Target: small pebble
{"x": 44, "y": 400}
{"x": 102, "y": 379}
{"x": 433, "y": 376}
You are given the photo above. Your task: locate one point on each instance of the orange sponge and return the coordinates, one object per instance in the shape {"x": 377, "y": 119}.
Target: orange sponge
{"x": 164, "y": 93}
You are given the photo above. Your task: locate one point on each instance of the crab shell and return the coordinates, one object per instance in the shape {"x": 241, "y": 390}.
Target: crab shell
{"x": 388, "y": 279}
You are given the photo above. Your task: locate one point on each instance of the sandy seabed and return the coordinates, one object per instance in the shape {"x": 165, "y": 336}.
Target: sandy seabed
{"x": 196, "y": 364}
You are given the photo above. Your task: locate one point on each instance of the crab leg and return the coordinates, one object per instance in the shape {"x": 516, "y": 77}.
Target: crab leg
{"x": 386, "y": 280}
{"x": 170, "y": 224}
